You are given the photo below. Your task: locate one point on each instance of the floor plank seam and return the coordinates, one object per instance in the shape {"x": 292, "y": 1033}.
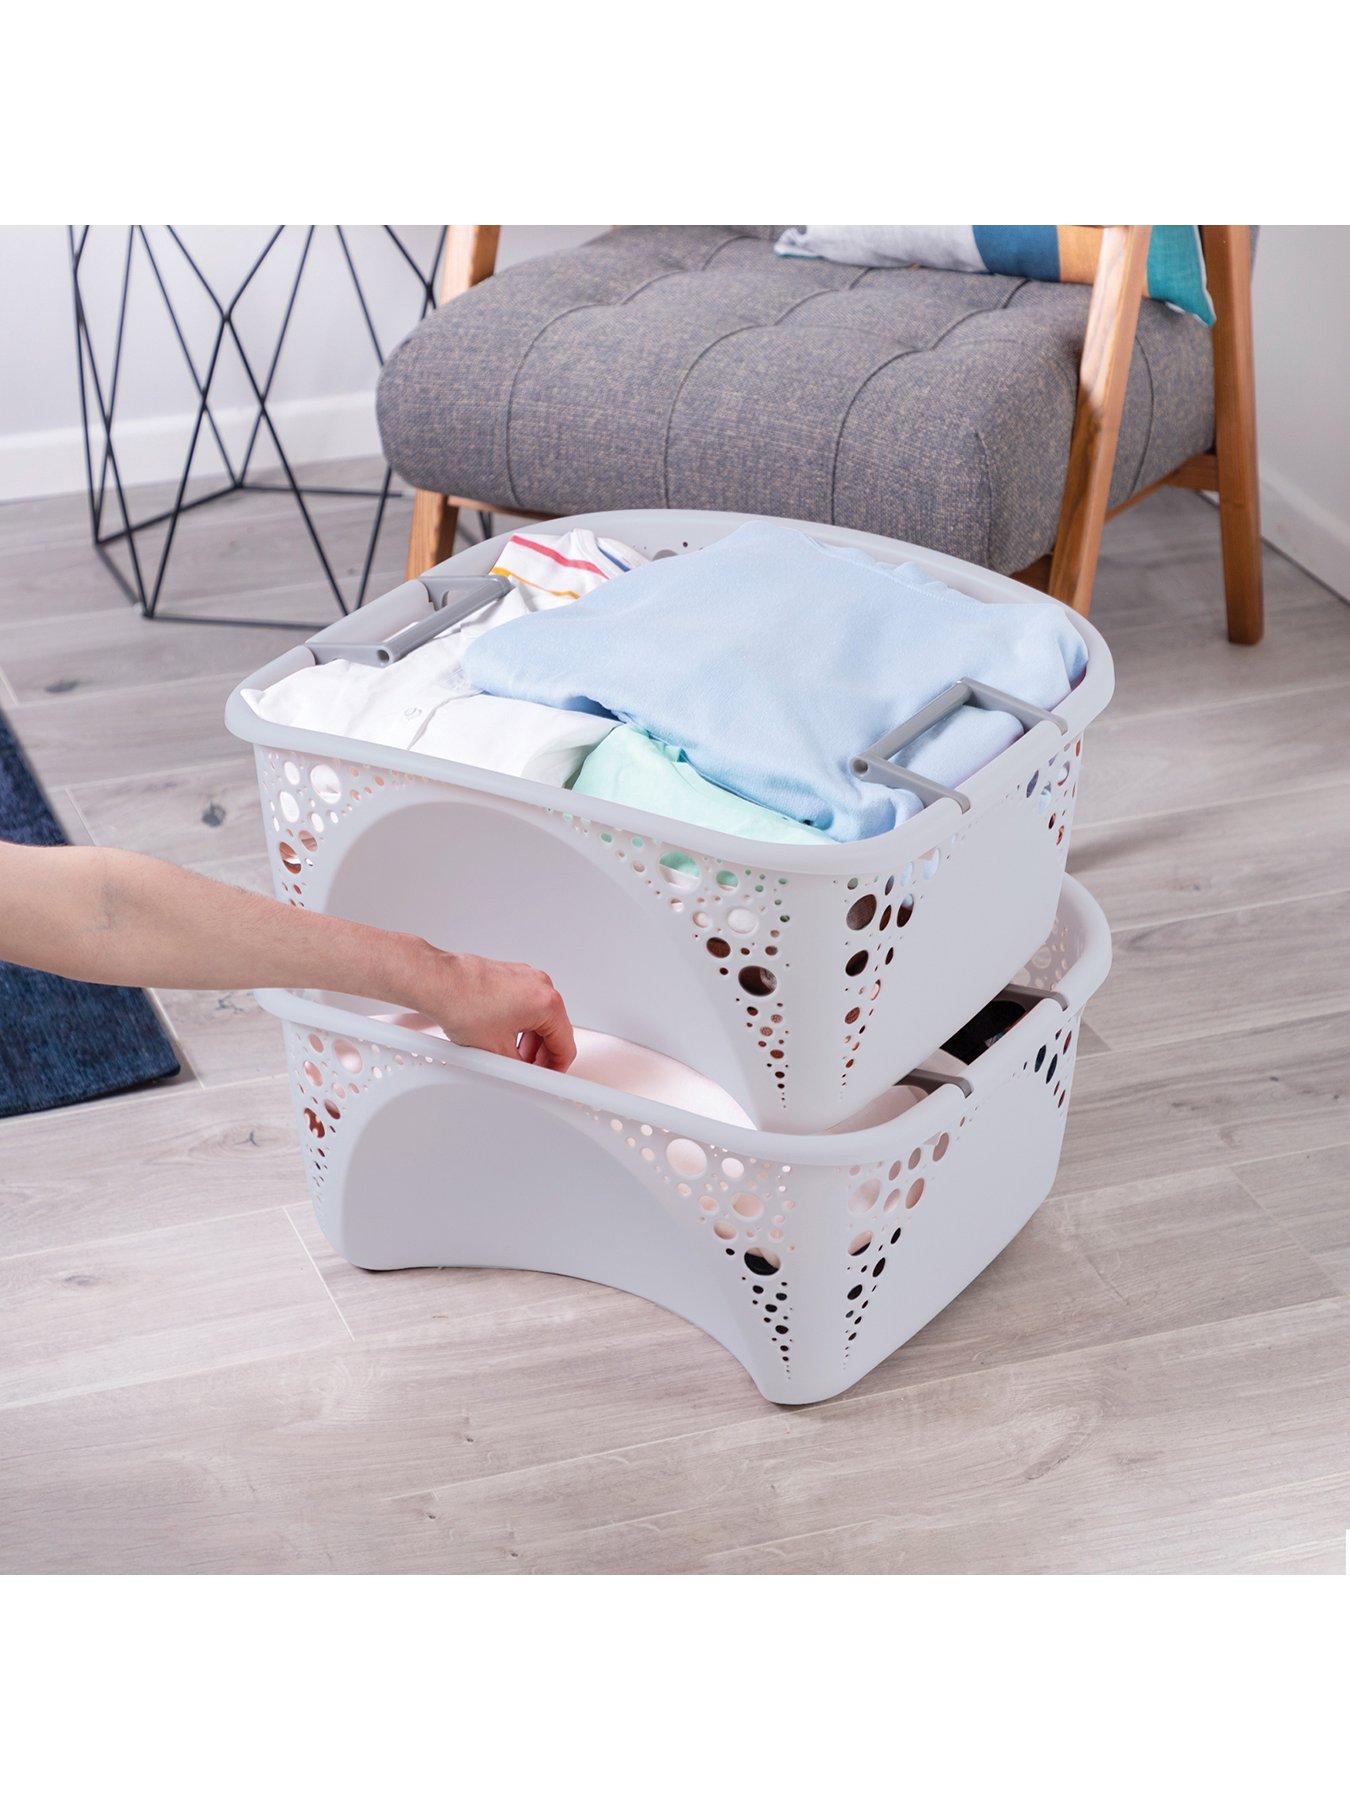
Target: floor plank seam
{"x": 1199, "y": 709}
{"x": 1337, "y": 1006}
{"x": 221, "y": 598}
{"x": 66, "y": 704}
{"x": 32, "y": 1122}
{"x": 1221, "y": 912}
{"x": 185, "y": 1066}
{"x": 1242, "y": 1162}
{"x": 1086, "y": 828}
{"x": 760, "y": 1546}
{"x": 1096, "y": 1187}
{"x": 1292, "y": 1239}
{"x": 1127, "y": 716}
{"x": 1258, "y": 1019}
{"x": 278, "y": 1078}
{"x": 79, "y": 1245}
{"x": 845, "y": 1404}
{"x": 156, "y": 1378}
{"x": 175, "y": 773}
{"x": 318, "y": 1272}
{"x": 79, "y": 813}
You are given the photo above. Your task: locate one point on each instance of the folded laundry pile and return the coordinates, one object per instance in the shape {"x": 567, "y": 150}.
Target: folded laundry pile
{"x": 770, "y": 660}
{"x": 425, "y": 702}
{"x": 729, "y": 688}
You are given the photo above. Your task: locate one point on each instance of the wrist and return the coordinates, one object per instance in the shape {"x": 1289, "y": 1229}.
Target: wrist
{"x": 413, "y": 970}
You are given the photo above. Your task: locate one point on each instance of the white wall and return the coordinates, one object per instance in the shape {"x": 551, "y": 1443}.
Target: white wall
{"x": 324, "y": 389}
{"x": 325, "y": 381}
{"x": 1301, "y": 303}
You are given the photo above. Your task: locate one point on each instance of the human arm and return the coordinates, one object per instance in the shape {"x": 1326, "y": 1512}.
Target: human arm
{"x": 114, "y": 916}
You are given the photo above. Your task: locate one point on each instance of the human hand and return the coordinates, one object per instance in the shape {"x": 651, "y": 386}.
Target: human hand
{"x": 508, "y": 1008}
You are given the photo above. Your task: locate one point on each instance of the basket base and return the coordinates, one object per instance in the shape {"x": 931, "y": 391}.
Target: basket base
{"x": 456, "y": 1175}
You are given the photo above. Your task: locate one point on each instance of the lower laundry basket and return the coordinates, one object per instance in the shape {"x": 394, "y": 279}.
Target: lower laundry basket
{"x": 810, "y": 1258}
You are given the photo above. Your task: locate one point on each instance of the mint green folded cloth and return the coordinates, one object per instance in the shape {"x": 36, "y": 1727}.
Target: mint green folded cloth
{"x": 635, "y": 770}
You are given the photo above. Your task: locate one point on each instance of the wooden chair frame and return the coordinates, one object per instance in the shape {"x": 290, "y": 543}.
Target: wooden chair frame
{"x": 1228, "y": 469}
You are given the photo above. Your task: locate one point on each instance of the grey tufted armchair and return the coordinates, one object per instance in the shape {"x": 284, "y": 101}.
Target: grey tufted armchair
{"x": 999, "y": 419}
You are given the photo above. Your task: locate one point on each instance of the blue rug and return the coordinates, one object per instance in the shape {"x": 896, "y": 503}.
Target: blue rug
{"x": 64, "y": 1041}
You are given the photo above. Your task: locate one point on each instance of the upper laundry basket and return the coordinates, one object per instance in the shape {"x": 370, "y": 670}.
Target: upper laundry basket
{"x": 797, "y": 977}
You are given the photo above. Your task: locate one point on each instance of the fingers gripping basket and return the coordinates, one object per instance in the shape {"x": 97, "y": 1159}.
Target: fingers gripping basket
{"x": 810, "y": 1258}
{"x": 799, "y": 978}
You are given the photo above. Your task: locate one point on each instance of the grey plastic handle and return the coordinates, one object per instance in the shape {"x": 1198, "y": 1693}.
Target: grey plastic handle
{"x": 930, "y": 1083}
{"x": 1033, "y": 996}
{"x": 470, "y": 594}
{"x": 875, "y": 763}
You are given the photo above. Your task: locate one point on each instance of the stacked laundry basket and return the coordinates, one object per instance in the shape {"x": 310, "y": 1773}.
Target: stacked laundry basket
{"x": 859, "y": 1175}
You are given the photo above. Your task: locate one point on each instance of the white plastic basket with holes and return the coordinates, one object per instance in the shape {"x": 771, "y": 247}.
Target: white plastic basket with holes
{"x": 810, "y": 1258}
{"x": 798, "y": 977}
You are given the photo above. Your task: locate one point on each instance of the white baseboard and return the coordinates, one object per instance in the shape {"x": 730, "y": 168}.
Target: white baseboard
{"x": 52, "y": 462}
{"x": 1307, "y": 533}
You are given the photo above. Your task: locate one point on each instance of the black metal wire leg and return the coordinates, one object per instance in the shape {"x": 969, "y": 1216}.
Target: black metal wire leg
{"x": 100, "y": 389}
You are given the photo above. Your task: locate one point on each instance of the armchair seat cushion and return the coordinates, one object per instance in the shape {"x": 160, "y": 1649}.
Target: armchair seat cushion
{"x": 688, "y": 366}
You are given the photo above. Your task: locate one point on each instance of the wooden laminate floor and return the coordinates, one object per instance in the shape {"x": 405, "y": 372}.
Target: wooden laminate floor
{"x": 1155, "y": 1376}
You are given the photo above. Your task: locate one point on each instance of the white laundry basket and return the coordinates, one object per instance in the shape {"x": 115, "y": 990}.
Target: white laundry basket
{"x": 810, "y": 1258}
{"x": 798, "y": 977}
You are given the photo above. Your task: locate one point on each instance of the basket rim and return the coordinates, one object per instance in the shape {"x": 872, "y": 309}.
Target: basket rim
{"x": 934, "y": 1113}
{"x": 902, "y": 843}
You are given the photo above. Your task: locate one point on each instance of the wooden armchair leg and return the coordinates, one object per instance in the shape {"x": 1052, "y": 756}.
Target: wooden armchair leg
{"x": 1228, "y": 264}
{"x": 1107, "y": 347}
{"x": 432, "y": 537}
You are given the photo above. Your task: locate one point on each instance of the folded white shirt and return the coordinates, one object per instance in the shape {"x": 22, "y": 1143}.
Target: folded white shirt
{"x": 382, "y": 705}
{"x": 515, "y": 737}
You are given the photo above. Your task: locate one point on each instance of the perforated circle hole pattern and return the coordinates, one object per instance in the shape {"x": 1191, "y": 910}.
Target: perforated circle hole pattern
{"x": 862, "y": 912}
{"x": 763, "y": 1262}
{"x": 326, "y": 783}
{"x": 686, "y": 1157}
{"x": 864, "y": 1198}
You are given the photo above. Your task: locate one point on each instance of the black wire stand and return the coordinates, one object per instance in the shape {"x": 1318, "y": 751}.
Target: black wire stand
{"x": 142, "y": 579}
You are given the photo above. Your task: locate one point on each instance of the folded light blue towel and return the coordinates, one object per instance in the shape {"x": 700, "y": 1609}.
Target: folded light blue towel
{"x": 771, "y": 660}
